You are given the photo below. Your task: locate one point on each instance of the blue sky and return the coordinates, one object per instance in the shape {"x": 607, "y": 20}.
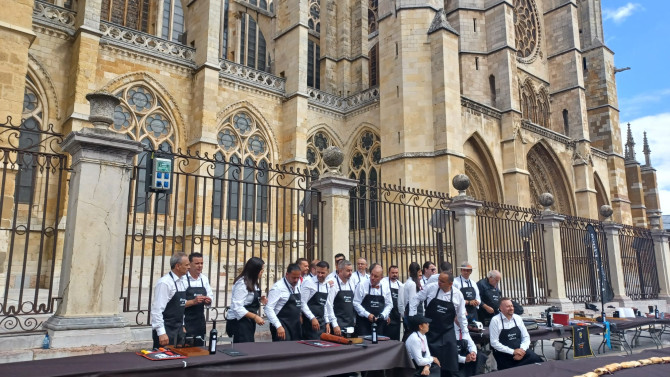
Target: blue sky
{"x": 639, "y": 34}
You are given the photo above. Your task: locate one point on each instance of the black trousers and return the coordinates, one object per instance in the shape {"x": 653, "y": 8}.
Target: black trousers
{"x": 506, "y": 361}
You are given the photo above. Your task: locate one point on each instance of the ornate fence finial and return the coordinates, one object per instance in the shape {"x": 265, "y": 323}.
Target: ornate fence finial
{"x": 461, "y": 182}
{"x": 333, "y": 158}
{"x": 546, "y": 200}
{"x": 102, "y": 109}
{"x": 606, "y": 211}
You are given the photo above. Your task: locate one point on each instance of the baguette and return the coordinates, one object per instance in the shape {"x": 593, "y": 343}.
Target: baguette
{"x": 630, "y": 364}
{"x": 601, "y": 371}
{"x": 644, "y": 362}
{"x": 656, "y": 360}
{"x": 613, "y": 367}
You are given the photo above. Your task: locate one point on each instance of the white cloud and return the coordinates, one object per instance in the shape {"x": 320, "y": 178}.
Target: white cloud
{"x": 620, "y": 14}
{"x": 657, "y": 127}
{"x": 633, "y": 106}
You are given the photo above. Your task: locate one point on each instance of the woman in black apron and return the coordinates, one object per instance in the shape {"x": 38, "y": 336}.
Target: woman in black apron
{"x": 374, "y": 304}
{"x": 469, "y": 294}
{"x": 343, "y": 307}
{"x": 289, "y": 316}
{"x": 173, "y": 317}
{"x": 194, "y": 315}
{"x": 412, "y": 287}
{"x": 316, "y": 305}
{"x": 242, "y": 330}
{"x": 441, "y": 339}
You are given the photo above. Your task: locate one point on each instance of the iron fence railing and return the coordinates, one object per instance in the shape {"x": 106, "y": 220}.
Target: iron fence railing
{"x": 33, "y": 184}
{"x": 638, "y": 262}
{"x": 511, "y": 242}
{"x": 227, "y": 210}
{"x": 580, "y": 269}
{"x": 394, "y": 225}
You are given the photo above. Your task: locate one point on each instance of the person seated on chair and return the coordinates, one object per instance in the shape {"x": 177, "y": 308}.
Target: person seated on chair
{"x": 510, "y": 339}
{"x": 470, "y": 362}
{"x": 417, "y": 346}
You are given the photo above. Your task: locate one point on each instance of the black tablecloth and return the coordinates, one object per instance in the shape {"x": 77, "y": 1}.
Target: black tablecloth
{"x": 282, "y": 359}
{"x": 569, "y": 368}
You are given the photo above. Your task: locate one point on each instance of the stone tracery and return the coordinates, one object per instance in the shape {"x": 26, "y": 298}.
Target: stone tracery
{"x": 527, "y": 28}
{"x": 546, "y": 176}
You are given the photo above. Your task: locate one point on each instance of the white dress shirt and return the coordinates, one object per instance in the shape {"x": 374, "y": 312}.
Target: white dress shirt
{"x": 241, "y": 298}
{"x": 399, "y": 286}
{"x": 163, "y": 291}
{"x": 500, "y": 322}
{"x": 201, "y": 281}
{"x": 277, "y": 297}
{"x": 460, "y": 282}
{"x": 332, "y": 292}
{"x": 357, "y": 278}
{"x": 416, "y": 343}
{"x": 425, "y": 281}
{"x": 408, "y": 292}
{"x": 307, "y": 290}
{"x": 466, "y": 336}
{"x": 428, "y": 294}
{"x": 364, "y": 288}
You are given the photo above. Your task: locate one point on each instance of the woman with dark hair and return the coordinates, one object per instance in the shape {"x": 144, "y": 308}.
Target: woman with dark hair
{"x": 245, "y": 303}
{"x": 411, "y": 287}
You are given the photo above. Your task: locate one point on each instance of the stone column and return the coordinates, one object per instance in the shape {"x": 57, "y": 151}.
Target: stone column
{"x": 553, "y": 254}
{"x": 334, "y": 188}
{"x": 662, "y": 253}
{"x": 614, "y": 257}
{"x": 88, "y": 313}
{"x": 465, "y": 226}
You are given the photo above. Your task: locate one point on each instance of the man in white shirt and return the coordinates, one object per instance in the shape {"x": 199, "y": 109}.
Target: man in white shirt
{"x": 167, "y": 307}
{"x": 340, "y": 310}
{"x": 199, "y": 295}
{"x": 469, "y": 290}
{"x": 417, "y": 347}
{"x": 361, "y": 272}
{"x": 304, "y": 269}
{"x": 284, "y": 306}
{"x": 373, "y": 303}
{"x": 444, "y": 267}
{"x": 429, "y": 269}
{"x": 339, "y": 257}
{"x": 444, "y": 306}
{"x": 395, "y": 286}
{"x": 510, "y": 339}
{"x": 314, "y": 294}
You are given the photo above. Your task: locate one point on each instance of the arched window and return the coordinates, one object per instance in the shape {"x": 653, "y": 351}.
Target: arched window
{"x": 314, "y": 21}
{"x": 364, "y": 167}
{"x": 372, "y": 15}
{"x": 173, "y": 21}
{"x": 243, "y": 145}
{"x": 373, "y": 68}
{"x": 132, "y": 14}
{"x": 263, "y": 4}
{"x": 315, "y": 147}
{"x": 142, "y": 116}
{"x": 566, "y": 123}
{"x": 313, "y": 65}
{"x": 253, "y": 49}
{"x": 543, "y": 108}
{"x": 33, "y": 116}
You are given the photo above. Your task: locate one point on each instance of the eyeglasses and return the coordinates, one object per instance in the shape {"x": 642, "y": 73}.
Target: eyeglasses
{"x": 433, "y": 269}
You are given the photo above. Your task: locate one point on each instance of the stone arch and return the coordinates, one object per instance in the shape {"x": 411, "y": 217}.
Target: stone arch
{"x": 170, "y": 104}
{"x": 318, "y": 139}
{"x": 360, "y": 128}
{"x": 42, "y": 80}
{"x": 601, "y": 191}
{"x": 480, "y": 167}
{"x": 547, "y": 175}
{"x": 528, "y": 100}
{"x": 543, "y": 108}
{"x": 355, "y": 146}
{"x": 263, "y": 125}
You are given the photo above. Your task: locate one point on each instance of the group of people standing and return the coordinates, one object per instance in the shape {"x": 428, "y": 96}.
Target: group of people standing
{"x": 435, "y": 307}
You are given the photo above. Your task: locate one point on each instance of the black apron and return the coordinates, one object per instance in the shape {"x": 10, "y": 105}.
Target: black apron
{"x": 441, "y": 339}
{"x": 343, "y": 306}
{"x": 510, "y": 338}
{"x": 491, "y": 297}
{"x": 316, "y": 305}
{"x": 469, "y": 294}
{"x": 393, "y": 328}
{"x": 242, "y": 330}
{"x": 289, "y": 317}
{"x": 194, "y": 316}
{"x": 173, "y": 317}
{"x": 374, "y": 304}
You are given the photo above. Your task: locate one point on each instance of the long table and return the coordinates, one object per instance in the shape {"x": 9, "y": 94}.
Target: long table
{"x": 280, "y": 359}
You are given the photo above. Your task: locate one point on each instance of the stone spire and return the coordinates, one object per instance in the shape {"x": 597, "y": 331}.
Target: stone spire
{"x": 646, "y": 151}
{"x": 629, "y": 153}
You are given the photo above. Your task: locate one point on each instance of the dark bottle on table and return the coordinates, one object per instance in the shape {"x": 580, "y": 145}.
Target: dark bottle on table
{"x": 212, "y": 339}
{"x": 656, "y": 312}
{"x": 374, "y": 333}
{"x": 549, "y": 324}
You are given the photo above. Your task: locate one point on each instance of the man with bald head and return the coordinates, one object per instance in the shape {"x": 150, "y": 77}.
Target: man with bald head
{"x": 361, "y": 272}
{"x": 373, "y": 302}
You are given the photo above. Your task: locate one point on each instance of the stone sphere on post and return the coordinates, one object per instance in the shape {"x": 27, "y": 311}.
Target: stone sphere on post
{"x": 546, "y": 200}
{"x": 102, "y": 109}
{"x": 333, "y": 158}
{"x": 461, "y": 182}
{"x": 606, "y": 211}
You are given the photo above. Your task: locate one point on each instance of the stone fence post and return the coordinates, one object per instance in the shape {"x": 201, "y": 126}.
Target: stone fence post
{"x": 95, "y": 233}
{"x": 334, "y": 188}
{"x": 614, "y": 258}
{"x": 465, "y": 227}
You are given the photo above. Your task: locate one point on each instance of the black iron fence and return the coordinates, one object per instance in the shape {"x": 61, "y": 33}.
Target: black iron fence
{"x": 393, "y": 225}
{"x": 638, "y": 262}
{"x": 580, "y": 268}
{"x": 33, "y": 185}
{"x": 511, "y": 242}
{"x": 225, "y": 209}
